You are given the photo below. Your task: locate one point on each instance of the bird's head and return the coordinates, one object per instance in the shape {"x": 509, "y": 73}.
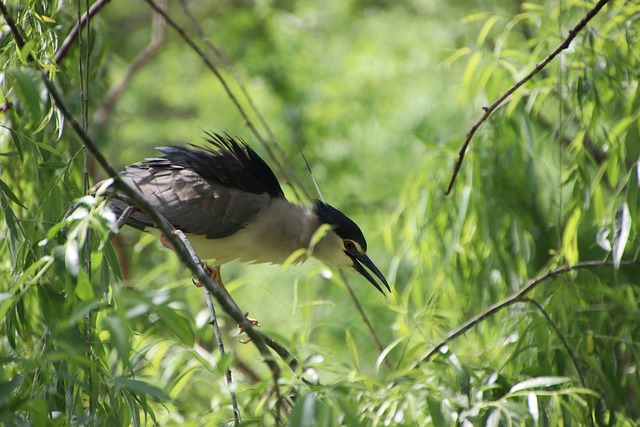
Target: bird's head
{"x": 345, "y": 245}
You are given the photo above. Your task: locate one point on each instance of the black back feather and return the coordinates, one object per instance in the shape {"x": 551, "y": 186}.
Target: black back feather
{"x": 342, "y": 224}
{"x": 231, "y": 162}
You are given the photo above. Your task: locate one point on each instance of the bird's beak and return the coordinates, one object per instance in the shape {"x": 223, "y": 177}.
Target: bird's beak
{"x": 361, "y": 260}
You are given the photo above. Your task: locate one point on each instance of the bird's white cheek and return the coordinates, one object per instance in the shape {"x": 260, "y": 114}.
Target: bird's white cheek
{"x": 345, "y": 262}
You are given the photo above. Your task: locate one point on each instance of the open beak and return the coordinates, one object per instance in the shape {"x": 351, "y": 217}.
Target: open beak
{"x": 360, "y": 261}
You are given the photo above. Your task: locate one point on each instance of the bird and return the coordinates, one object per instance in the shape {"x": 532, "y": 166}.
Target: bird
{"x": 229, "y": 204}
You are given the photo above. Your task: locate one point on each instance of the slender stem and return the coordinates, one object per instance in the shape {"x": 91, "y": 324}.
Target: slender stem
{"x": 192, "y": 44}
{"x": 68, "y": 42}
{"x": 152, "y": 213}
{"x": 245, "y": 92}
{"x": 511, "y": 299}
{"x": 488, "y": 111}
{"x": 364, "y": 317}
{"x": 214, "y": 322}
{"x": 558, "y": 332}
{"x": 84, "y": 53}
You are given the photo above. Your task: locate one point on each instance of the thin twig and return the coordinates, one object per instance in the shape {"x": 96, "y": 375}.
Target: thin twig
{"x": 364, "y": 317}
{"x": 126, "y": 214}
{"x": 245, "y": 92}
{"x": 560, "y": 335}
{"x": 84, "y": 56}
{"x": 282, "y": 352}
{"x": 567, "y": 348}
{"x": 211, "y": 66}
{"x": 541, "y": 65}
{"x": 511, "y": 299}
{"x": 147, "y": 209}
{"x": 148, "y": 53}
{"x": 214, "y": 322}
{"x": 68, "y": 42}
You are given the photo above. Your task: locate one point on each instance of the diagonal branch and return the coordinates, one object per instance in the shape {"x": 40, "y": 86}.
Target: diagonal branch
{"x": 214, "y": 322}
{"x": 560, "y": 335}
{"x": 245, "y": 92}
{"x": 488, "y": 111}
{"x": 211, "y": 66}
{"x": 71, "y": 38}
{"x": 512, "y": 299}
{"x": 159, "y": 220}
{"x": 364, "y": 317}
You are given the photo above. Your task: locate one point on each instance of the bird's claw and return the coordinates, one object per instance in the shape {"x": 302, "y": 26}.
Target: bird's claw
{"x": 254, "y": 322}
{"x": 213, "y": 272}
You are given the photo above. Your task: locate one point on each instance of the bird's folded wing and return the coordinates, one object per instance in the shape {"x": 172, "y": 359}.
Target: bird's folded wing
{"x": 190, "y": 202}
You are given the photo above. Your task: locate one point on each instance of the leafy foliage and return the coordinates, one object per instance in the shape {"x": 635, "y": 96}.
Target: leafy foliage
{"x": 379, "y": 96}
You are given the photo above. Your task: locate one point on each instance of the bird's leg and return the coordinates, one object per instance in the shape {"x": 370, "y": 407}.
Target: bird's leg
{"x": 214, "y": 273}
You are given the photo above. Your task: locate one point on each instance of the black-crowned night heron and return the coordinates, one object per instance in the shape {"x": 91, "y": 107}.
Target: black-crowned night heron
{"x": 230, "y": 205}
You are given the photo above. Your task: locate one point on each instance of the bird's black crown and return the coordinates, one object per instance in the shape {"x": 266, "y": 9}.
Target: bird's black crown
{"x": 342, "y": 224}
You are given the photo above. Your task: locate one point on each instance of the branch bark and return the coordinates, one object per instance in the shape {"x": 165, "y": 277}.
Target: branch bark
{"x": 73, "y": 35}
{"x": 144, "y": 206}
{"x": 488, "y": 111}
{"x": 512, "y": 299}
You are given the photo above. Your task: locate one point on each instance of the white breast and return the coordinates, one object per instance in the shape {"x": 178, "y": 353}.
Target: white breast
{"x": 278, "y": 230}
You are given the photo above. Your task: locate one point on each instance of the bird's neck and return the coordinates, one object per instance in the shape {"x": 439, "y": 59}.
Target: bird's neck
{"x": 288, "y": 227}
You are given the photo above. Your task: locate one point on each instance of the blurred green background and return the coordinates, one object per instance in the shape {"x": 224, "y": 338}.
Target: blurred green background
{"x": 379, "y": 95}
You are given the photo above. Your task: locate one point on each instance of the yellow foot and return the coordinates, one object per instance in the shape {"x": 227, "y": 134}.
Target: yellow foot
{"x": 254, "y": 322}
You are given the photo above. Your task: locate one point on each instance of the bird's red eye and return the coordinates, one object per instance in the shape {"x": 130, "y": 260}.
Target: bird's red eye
{"x": 348, "y": 245}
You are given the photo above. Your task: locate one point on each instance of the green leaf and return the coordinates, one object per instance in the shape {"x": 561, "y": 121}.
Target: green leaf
{"x": 539, "y": 382}
{"x": 435, "y": 410}
{"x": 17, "y": 142}
{"x": 119, "y": 332}
{"x": 353, "y": 349}
{"x": 138, "y": 387}
{"x": 486, "y": 28}
{"x": 178, "y": 325}
{"x": 29, "y": 88}
{"x": 570, "y": 238}
{"x": 10, "y": 194}
{"x": 84, "y": 290}
{"x": 467, "y": 78}
{"x": 27, "y": 48}
{"x": 48, "y": 148}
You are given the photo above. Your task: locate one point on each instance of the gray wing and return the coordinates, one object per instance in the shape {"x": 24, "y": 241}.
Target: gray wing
{"x": 188, "y": 201}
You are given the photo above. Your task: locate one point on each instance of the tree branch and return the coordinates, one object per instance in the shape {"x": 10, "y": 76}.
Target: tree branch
{"x": 488, "y": 111}
{"x": 159, "y": 220}
{"x": 513, "y": 298}
{"x": 245, "y": 92}
{"x": 68, "y": 42}
{"x": 364, "y": 317}
{"x": 211, "y": 66}
{"x": 214, "y": 322}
